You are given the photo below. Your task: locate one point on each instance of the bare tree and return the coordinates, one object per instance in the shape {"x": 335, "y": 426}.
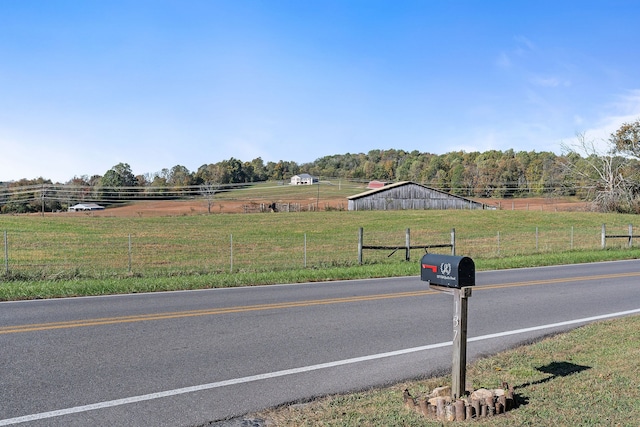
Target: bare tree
{"x": 600, "y": 173}
{"x": 208, "y": 190}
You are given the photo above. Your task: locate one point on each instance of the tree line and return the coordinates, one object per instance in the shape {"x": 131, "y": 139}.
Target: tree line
{"x": 610, "y": 178}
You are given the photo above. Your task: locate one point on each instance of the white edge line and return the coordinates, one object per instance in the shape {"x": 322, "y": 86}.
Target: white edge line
{"x": 269, "y": 375}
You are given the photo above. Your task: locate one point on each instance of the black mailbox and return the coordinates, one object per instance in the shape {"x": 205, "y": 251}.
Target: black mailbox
{"x": 448, "y": 270}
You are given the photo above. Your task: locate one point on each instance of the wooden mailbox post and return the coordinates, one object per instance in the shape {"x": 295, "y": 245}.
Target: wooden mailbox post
{"x": 454, "y": 275}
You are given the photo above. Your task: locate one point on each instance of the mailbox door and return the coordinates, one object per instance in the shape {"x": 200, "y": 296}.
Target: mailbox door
{"x": 466, "y": 272}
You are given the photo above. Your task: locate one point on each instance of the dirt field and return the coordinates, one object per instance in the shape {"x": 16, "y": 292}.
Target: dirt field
{"x": 538, "y": 204}
{"x": 199, "y": 207}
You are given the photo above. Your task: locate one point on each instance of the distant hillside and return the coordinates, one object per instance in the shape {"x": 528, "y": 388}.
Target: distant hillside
{"x": 491, "y": 174}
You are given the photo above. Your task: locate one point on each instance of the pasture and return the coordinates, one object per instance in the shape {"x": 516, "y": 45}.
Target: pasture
{"x": 63, "y": 254}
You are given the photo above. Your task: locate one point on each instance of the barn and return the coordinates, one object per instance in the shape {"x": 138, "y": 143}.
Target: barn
{"x": 408, "y": 195}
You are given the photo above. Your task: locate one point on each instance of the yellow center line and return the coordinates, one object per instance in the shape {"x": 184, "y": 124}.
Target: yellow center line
{"x": 194, "y": 313}
{"x": 283, "y": 305}
{"x": 559, "y": 280}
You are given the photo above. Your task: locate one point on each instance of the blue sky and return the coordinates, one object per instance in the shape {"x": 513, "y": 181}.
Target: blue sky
{"x": 85, "y": 85}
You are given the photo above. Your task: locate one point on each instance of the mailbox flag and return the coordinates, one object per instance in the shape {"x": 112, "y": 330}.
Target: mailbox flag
{"x": 433, "y": 268}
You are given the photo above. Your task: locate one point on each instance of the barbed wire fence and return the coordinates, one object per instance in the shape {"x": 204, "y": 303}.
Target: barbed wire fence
{"x": 103, "y": 253}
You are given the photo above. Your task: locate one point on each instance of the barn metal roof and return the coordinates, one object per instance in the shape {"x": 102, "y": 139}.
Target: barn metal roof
{"x": 400, "y": 184}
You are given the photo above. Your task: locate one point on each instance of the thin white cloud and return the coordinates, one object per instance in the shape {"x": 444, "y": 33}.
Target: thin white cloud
{"x": 629, "y": 104}
{"x": 549, "y": 82}
{"x": 524, "y": 41}
{"x": 545, "y": 82}
{"x": 503, "y": 60}
{"x": 625, "y": 109}
{"x": 523, "y": 45}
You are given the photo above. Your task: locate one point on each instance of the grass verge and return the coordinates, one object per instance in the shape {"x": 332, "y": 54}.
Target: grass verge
{"x": 587, "y": 377}
{"x": 28, "y": 288}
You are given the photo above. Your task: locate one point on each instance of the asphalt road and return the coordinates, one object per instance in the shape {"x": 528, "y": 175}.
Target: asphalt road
{"x": 188, "y": 358}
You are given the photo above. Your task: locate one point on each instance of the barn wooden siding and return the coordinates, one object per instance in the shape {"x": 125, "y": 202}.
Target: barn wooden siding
{"x": 408, "y": 195}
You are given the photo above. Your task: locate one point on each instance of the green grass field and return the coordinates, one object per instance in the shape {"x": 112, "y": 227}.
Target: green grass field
{"x": 327, "y": 189}
{"x": 55, "y": 256}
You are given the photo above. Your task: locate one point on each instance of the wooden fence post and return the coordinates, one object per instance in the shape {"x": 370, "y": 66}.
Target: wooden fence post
{"x": 231, "y": 252}
{"x": 453, "y": 241}
{"x": 459, "y": 369}
{"x": 360, "y": 244}
{"x": 407, "y": 241}
{"x": 571, "y": 244}
{"x": 6, "y": 253}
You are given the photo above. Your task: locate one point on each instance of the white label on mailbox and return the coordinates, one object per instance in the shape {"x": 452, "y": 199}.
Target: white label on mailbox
{"x": 445, "y": 269}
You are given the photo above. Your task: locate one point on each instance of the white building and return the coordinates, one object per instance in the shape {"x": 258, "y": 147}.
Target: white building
{"x": 83, "y": 207}
{"x": 303, "y": 179}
